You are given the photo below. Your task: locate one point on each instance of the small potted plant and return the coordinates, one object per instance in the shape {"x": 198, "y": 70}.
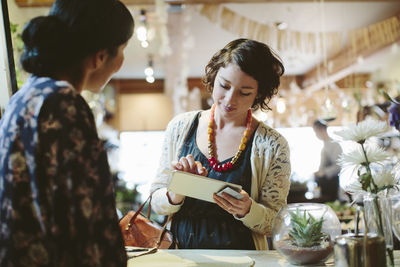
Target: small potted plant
{"x": 301, "y": 238}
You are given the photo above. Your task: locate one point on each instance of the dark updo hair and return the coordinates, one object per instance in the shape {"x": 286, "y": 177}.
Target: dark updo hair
{"x": 74, "y": 30}
{"x": 255, "y": 59}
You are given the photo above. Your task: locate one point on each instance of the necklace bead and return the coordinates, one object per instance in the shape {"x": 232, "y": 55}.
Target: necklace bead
{"x": 214, "y": 163}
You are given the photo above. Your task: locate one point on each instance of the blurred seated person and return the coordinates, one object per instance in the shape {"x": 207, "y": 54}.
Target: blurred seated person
{"x": 327, "y": 176}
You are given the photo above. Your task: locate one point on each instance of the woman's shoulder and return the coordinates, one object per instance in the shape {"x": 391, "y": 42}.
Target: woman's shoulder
{"x": 43, "y": 87}
{"x": 59, "y": 101}
{"x": 183, "y": 119}
{"x": 266, "y": 134}
{"x": 34, "y": 94}
{"x": 58, "y": 94}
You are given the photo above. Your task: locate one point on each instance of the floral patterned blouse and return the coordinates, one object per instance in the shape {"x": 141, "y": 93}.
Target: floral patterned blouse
{"x": 57, "y": 205}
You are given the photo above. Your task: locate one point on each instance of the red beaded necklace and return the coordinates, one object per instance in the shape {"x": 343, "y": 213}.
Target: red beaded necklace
{"x": 214, "y": 163}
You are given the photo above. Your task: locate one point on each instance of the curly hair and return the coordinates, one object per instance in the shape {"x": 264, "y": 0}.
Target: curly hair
{"x": 255, "y": 59}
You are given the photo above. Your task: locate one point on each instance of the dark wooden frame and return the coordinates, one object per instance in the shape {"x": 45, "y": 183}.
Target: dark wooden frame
{"x": 9, "y": 47}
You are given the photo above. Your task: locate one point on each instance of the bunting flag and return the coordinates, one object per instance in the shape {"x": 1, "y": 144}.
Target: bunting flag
{"x": 375, "y": 35}
{"x": 305, "y": 42}
{"x": 370, "y": 37}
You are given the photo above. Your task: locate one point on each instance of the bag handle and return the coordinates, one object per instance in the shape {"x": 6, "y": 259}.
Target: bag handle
{"x": 139, "y": 210}
{"x": 162, "y": 232}
{"x": 163, "y": 229}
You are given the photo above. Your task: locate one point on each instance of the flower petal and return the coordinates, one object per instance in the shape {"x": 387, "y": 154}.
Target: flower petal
{"x": 363, "y": 130}
{"x": 384, "y": 178}
{"x": 356, "y": 155}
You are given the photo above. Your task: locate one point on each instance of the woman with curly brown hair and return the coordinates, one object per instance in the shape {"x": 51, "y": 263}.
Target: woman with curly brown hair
{"x": 227, "y": 143}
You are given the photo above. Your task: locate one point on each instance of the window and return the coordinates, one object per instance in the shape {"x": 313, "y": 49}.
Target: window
{"x": 139, "y": 158}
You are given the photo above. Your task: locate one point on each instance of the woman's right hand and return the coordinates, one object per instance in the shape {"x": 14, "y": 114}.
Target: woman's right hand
{"x": 188, "y": 164}
{"x": 185, "y": 164}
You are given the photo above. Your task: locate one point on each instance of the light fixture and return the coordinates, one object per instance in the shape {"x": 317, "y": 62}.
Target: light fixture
{"x": 369, "y": 84}
{"x": 144, "y": 44}
{"x": 328, "y": 112}
{"x": 150, "y": 79}
{"x": 143, "y": 17}
{"x": 281, "y": 25}
{"x": 141, "y": 31}
{"x": 280, "y": 105}
{"x": 149, "y": 71}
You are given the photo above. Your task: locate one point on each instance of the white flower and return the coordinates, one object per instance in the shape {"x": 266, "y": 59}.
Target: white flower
{"x": 355, "y": 187}
{"x": 384, "y": 178}
{"x": 363, "y": 130}
{"x": 350, "y": 182}
{"x": 356, "y": 157}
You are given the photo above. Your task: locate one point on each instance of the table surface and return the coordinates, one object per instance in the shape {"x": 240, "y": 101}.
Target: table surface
{"x": 210, "y": 258}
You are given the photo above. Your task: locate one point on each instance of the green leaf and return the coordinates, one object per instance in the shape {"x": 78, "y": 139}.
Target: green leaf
{"x": 13, "y": 27}
{"x": 390, "y": 186}
{"x": 306, "y": 229}
{"x": 365, "y": 180}
{"x": 388, "y": 97}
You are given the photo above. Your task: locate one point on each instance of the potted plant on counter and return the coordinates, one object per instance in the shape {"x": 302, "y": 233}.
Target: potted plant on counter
{"x": 300, "y": 236}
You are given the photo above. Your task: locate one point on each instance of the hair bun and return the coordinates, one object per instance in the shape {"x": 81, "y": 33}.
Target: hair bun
{"x": 43, "y": 31}
{"x": 44, "y": 38}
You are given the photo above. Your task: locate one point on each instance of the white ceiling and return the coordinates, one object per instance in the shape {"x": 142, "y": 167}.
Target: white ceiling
{"x": 206, "y": 38}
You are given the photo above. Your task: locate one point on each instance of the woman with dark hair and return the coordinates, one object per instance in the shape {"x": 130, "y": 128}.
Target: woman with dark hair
{"x": 57, "y": 205}
{"x": 226, "y": 143}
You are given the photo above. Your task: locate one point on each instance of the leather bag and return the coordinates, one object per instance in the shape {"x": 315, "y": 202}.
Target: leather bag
{"x": 139, "y": 231}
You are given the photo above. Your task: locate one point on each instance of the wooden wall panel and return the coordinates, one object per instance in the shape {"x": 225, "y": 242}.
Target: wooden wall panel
{"x": 138, "y": 86}
{"x": 144, "y": 112}
{"x": 141, "y": 106}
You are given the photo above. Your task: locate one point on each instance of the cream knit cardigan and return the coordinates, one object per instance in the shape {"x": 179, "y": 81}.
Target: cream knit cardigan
{"x": 270, "y": 181}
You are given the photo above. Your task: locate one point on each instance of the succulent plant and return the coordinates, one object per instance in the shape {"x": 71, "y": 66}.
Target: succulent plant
{"x": 306, "y": 230}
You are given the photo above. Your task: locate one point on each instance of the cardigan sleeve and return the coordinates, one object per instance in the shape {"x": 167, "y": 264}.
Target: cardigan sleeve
{"x": 273, "y": 178}
{"x": 174, "y": 137}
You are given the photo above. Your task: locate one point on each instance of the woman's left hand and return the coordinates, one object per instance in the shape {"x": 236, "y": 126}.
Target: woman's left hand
{"x": 237, "y": 207}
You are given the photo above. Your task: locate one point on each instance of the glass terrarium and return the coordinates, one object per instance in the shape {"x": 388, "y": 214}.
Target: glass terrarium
{"x": 304, "y": 232}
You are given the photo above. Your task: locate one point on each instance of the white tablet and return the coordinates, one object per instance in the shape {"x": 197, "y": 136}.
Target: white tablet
{"x": 196, "y": 186}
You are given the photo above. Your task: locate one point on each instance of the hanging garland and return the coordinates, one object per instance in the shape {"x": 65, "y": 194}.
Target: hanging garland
{"x": 304, "y": 42}
{"x": 372, "y": 36}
